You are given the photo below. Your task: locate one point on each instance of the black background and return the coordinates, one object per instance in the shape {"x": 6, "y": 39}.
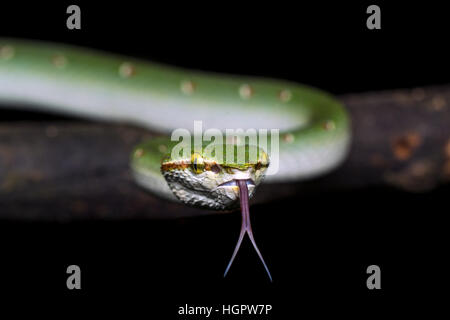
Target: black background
{"x": 317, "y": 247}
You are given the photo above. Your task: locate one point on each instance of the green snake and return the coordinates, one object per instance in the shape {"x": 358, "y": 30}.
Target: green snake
{"x": 314, "y": 127}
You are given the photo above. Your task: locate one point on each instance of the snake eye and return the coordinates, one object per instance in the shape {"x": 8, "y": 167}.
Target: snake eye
{"x": 197, "y": 163}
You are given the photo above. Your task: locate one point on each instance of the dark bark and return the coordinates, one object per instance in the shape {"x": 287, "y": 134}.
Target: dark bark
{"x": 77, "y": 170}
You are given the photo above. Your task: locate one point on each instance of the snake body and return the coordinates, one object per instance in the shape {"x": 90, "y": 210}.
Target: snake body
{"x": 314, "y": 126}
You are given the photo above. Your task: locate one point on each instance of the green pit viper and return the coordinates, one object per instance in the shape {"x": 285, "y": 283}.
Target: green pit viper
{"x": 314, "y": 127}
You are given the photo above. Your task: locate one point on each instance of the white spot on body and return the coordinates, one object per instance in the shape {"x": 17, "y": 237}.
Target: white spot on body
{"x": 285, "y": 95}
{"x": 245, "y": 91}
{"x": 329, "y": 125}
{"x": 162, "y": 148}
{"x": 126, "y": 70}
{"x": 288, "y": 138}
{"x": 139, "y": 153}
{"x": 6, "y": 52}
{"x": 187, "y": 87}
{"x": 59, "y": 61}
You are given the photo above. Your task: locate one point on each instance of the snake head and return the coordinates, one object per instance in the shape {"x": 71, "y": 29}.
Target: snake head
{"x": 206, "y": 179}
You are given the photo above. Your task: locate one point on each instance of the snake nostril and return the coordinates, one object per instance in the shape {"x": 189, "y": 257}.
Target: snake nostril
{"x": 215, "y": 168}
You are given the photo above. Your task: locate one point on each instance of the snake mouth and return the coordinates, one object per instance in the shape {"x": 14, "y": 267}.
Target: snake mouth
{"x": 234, "y": 183}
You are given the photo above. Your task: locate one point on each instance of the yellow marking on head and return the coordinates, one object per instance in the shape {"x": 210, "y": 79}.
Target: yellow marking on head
{"x": 264, "y": 159}
{"x": 203, "y": 164}
{"x": 174, "y": 165}
{"x": 197, "y": 163}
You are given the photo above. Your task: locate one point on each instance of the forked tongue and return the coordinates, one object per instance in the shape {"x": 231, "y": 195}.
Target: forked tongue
{"x": 245, "y": 226}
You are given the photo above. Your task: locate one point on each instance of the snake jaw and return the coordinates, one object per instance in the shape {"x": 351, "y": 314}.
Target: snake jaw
{"x": 233, "y": 183}
{"x": 211, "y": 190}
{"x": 233, "y": 186}
{"x": 210, "y": 183}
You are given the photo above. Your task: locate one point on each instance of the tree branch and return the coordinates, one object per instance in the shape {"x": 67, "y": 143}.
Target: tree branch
{"x": 79, "y": 170}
